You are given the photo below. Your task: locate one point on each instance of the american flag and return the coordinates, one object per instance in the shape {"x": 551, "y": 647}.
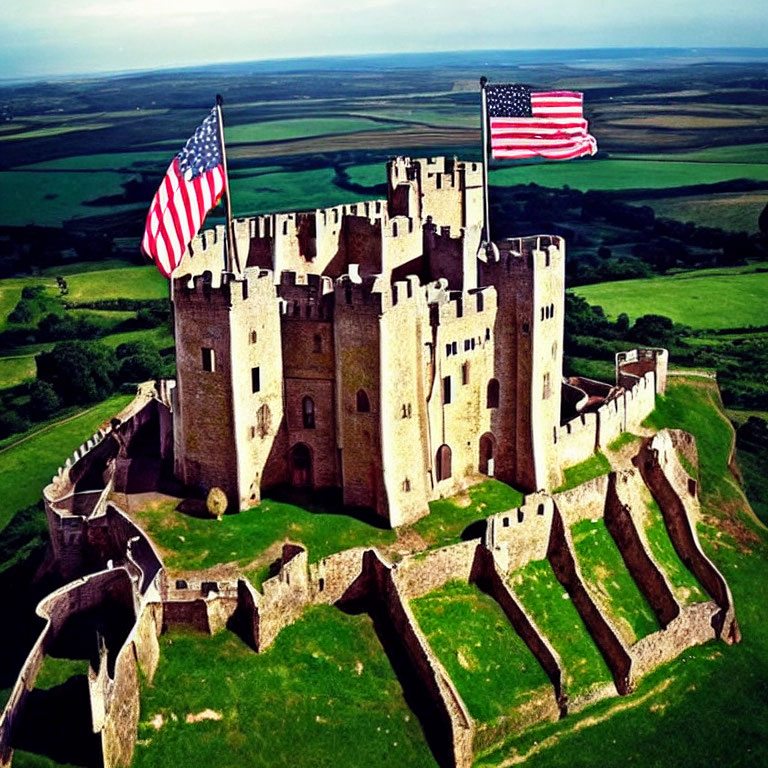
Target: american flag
{"x": 192, "y": 186}
{"x": 550, "y": 124}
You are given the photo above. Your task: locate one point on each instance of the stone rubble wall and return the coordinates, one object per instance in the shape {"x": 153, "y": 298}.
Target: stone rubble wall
{"x": 676, "y": 493}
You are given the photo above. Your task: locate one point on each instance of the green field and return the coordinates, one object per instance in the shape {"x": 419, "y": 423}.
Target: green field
{"x": 16, "y": 370}
{"x": 487, "y": 660}
{"x": 616, "y": 173}
{"x": 118, "y": 283}
{"x": 704, "y": 299}
{"x": 323, "y": 695}
{"x": 48, "y": 199}
{"x": 281, "y": 130}
{"x": 547, "y": 602}
{"x": 29, "y": 465}
{"x": 736, "y": 212}
{"x": 603, "y": 568}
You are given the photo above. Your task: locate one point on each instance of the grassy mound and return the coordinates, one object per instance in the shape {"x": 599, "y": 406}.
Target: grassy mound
{"x": 547, "y": 602}
{"x": 323, "y": 695}
{"x": 490, "y": 665}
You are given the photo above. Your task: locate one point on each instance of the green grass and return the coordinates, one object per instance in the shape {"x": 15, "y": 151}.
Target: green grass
{"x": 618, "y": 173}
{"x": 200, "y": 542}
{"x": 721, "y": 299}
{"x": 737, "y": 153}
{"x": 48, "y": 199}
{"x": 117, "y": 283}
{"x": 623, "y": 440}
{"x": 694, "y": 405}
{"x": 23, "y": 759}
{"x": 594, "y": 466}
{"x": 545, "y": 599}
{"x": 736, "y": 212}
{"x": 16, "y": 370}
{"x": 289, "y": 191}
{"x": 449, "y": 517}
{"x": 323, "y": 695}
{"x": 29, "y": 466}
{"x": 487, "y": 660}
{"x": 280, "y": 130}
{"x": 684, "y": 584}
{"x": 600, "y": 370}
{"x": 603, "y": 568}
{"x": 56, "y": 671}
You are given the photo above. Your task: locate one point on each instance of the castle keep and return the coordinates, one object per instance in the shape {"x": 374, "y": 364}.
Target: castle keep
{"x": 374, "y": 347}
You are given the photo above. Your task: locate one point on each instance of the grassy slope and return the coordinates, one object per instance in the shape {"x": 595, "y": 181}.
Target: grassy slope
{"x": 492, "y": 668}
{"x": 720, "y": 687}
{"x": 323, "y": 695}
{"x": 603, "y": 568}
{"x": 29, "y": 466}
{"x": 718, "y": 299}
{"x": 588, "y": 469}
{"x": 547, "y": 602}
{"x": 684, "y": 585}
{"x": 118, "y": 283}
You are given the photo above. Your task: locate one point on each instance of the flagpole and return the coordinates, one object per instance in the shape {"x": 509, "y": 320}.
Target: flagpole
{"x": 231, "y": 240}
{"x": 486, "y": 214}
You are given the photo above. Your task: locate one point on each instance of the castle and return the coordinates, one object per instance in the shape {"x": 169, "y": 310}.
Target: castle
{"x": 377, "y": 348}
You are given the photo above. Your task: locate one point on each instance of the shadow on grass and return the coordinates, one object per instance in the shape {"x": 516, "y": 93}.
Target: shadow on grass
{"x": 56, "y": 723}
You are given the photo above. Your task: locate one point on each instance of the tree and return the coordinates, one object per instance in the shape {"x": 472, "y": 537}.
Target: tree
{"x": 216, "y": 503}
{"x": 78, "y": 371}
{"x": 762, "y": 221}
{"x": 43, "y": 400}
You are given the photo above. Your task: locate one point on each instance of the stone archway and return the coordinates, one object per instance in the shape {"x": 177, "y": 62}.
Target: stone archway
{"x": 487, "y": 455}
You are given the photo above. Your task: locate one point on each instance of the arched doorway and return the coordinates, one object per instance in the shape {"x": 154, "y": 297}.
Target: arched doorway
{"x": 487, "y": 454}
{"x": 301, "y": 466}
{"x": 443, "y": 463}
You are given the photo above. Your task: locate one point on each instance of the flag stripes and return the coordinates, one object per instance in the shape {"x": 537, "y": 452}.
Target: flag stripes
{"x": 192, "y": 185}
{"x": 546, "y": 124}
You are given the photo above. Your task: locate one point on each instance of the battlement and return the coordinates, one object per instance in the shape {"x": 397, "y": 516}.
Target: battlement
{"x": 526, "y": 253}
{"x": 308, "y": 297}
{"x": 223, "y": 287}
{"x": 453, "y": 306}
{"x": 352, "y": 290}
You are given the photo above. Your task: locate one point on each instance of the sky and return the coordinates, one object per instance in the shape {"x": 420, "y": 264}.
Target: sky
{"x": 42, "y": 37}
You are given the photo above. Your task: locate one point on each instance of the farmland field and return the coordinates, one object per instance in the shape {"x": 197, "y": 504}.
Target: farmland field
{"x": 709, "y": 299}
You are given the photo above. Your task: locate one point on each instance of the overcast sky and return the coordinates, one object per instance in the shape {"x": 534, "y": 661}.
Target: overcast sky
{"x": 40, "y": 37}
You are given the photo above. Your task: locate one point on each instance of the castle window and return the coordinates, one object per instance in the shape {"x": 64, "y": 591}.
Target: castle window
{"x": 446, "y": 390}
{"x": 551, "y": 310}
{"x": 255, "y": 379}
{"x": 263, "y": 420}
{"x": 181, "y": 584}
{"x": 554, "y": 435}
{"x": 308, "y": 412}
{"x": 526, "y": 329}
{"x": 252, "y": 432}
{"x": 285, "y": 227}
{"x": 455, "y": 347}
{"x": 448, "y": 350}
{"x": 394, "y": 229}
{"x": 209, "y": 359}
{"x": 465, "y": 373}
{"x": 546, "y": 390}
{"x": 406, "y": 410}
{"x": 520, "y": 515}
{"x": 438, "y": 181}
{"x": 492, "y": 394}
{"x": 443, "y": 463}
{"x": 459, "y": 307}
{"x": 542, "y": 313}
{"x": 505, "y": 521}
{"x": 540, "y": 509}
{"x": 487, "y": 334}
{"x": 466, "y": 345}
{"x": 254, "y": 336}
{"x": 472, "y": 343}
{"x": 546, "y": 258}
{"x": 480, "y": 303}
{"x": 362, "y": 402}
{"x": 321, "y": 585}
{"x": 317, "y": 343}
{"x": 406, "y": 485}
